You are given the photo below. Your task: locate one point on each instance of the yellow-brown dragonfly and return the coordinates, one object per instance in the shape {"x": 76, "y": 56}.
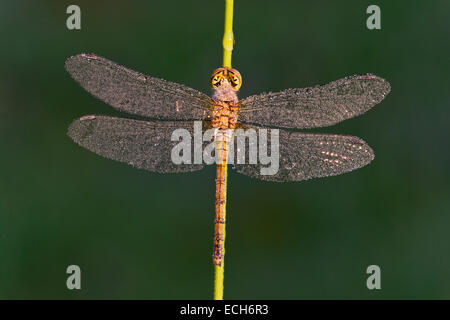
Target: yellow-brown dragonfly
{"x": 147, "y": 144}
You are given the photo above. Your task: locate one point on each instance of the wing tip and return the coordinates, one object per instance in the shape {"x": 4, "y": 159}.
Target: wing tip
{"x": 367, "y": 149}
{"x": 71, "y": 130}
{"x": 385, "y": 86}
{"x": 74, "y": 60}
{"x": 74, "y": 132}
{"x": 368, "y": 76}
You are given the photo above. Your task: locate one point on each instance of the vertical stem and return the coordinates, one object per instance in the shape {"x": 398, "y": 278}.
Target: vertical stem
{"x": 228, "y": 44}
{"x": 228, "y": 37}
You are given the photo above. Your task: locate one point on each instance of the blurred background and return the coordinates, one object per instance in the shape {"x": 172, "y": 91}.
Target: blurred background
{"x": 141, "y": 235}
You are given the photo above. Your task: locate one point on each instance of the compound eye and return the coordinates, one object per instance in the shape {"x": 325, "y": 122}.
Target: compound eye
{"x": 215, "y": 81}
{"x": 235, "y": 81}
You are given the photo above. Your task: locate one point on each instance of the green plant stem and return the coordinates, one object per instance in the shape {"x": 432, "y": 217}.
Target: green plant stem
{"x": 228, "y": 37}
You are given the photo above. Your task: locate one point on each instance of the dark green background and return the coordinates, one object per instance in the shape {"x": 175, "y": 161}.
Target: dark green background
{"x": 137, "y": 234}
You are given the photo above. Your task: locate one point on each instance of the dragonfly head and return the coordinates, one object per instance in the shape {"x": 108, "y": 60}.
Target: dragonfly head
{"x": 226, "y": 75}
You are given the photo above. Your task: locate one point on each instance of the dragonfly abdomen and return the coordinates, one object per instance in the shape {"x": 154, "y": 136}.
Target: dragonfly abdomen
{"x": 223, "y": 138}
{"x": 224, "y": 120}
{"x": 219, "y": 221}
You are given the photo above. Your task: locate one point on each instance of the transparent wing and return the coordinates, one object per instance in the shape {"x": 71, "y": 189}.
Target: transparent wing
{"x": 135, "y": 93}
{"x": 142, "y": 144}
{"x": 319, "y": 106}
{"x": 303, "y": 156}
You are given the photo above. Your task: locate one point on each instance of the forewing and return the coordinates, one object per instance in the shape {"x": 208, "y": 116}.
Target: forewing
{"x": 304, "y": 156}
{"x": 142, "y": 144}
{"x": 135, "y": 93}
{"x": 319, "y": 106}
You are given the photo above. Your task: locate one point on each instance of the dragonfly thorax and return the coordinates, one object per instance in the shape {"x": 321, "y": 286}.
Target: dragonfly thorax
{"x": 224, "y": 115}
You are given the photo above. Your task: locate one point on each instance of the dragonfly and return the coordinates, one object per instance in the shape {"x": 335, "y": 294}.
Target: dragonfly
{"x": 161, "y": 106}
